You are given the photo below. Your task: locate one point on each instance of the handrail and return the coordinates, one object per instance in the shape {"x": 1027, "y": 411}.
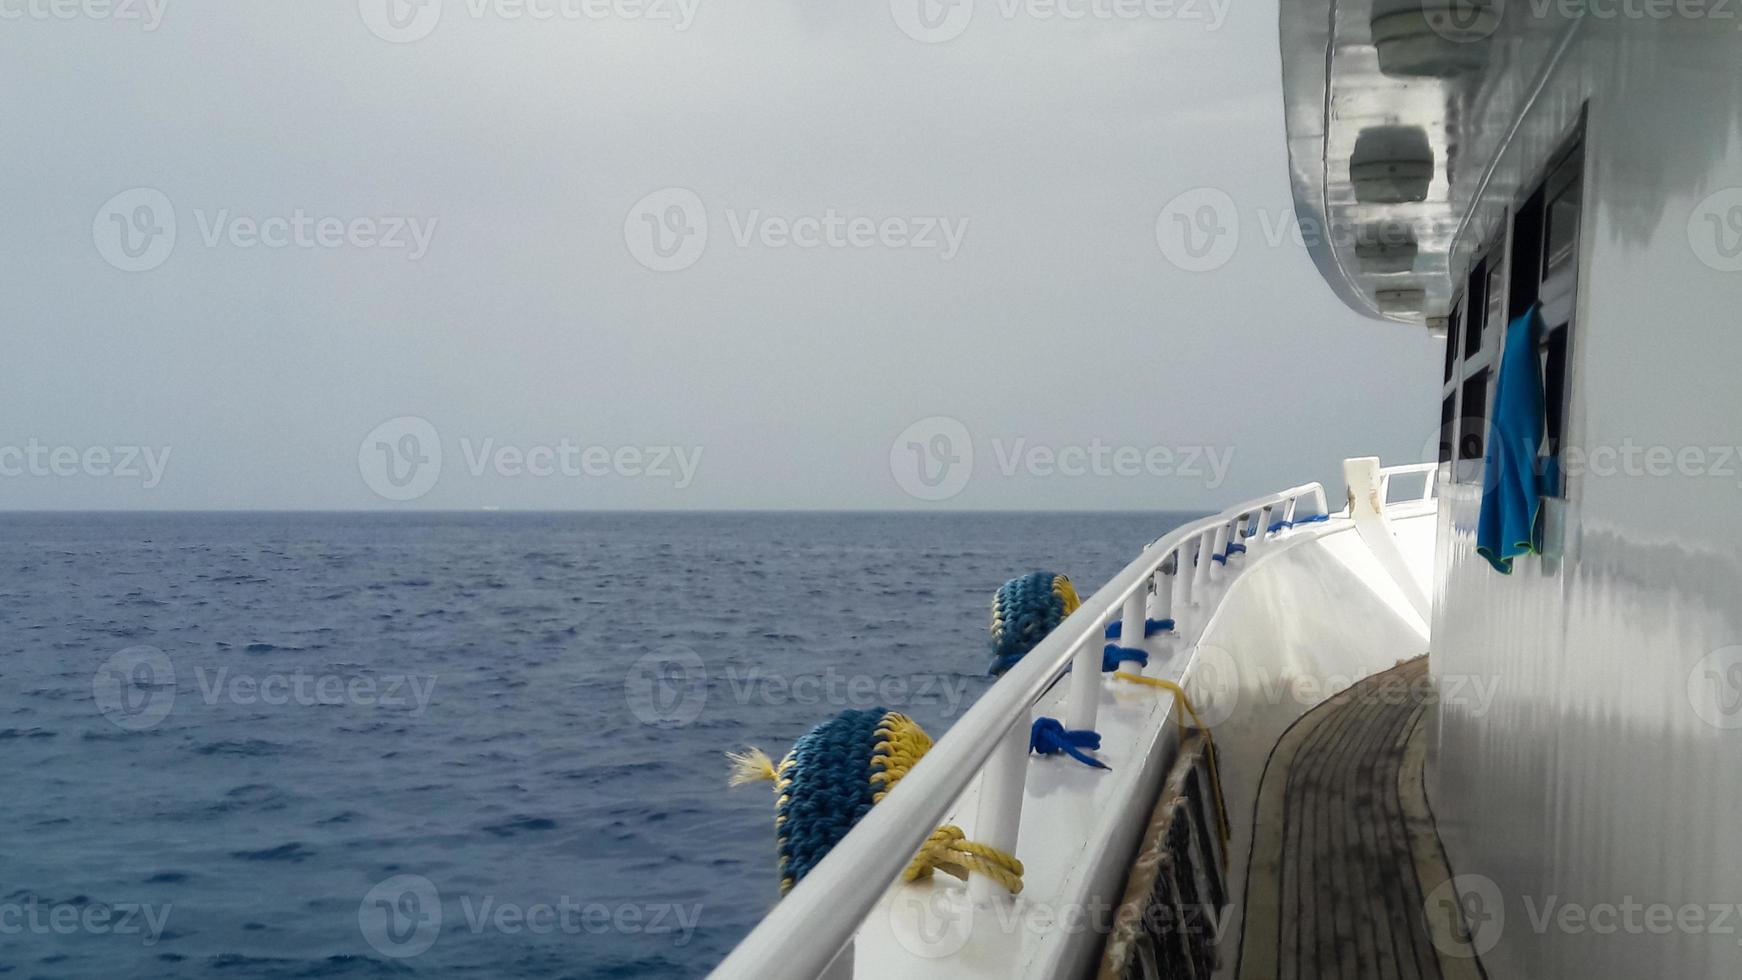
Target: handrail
{"x": 800, "y": 937}
{"x": 1429, "y": 483}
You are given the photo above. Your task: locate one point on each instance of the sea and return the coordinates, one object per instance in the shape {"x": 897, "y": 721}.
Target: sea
{"x": 453, "y": 745}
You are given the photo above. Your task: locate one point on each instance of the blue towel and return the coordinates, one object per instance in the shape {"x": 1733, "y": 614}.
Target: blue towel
{"x": 1512, "y": 484}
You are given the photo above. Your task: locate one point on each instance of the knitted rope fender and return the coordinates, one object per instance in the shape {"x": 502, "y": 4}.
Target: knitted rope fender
{"x": 1024, "y": 611}
{"x": 834, "y": 775}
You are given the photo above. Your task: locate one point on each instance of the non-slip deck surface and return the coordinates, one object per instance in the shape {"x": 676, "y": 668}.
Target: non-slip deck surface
{"x": 1347, "y": 872}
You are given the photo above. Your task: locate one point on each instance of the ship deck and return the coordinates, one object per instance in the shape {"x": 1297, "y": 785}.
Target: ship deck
{"x": 1347, "y": 875}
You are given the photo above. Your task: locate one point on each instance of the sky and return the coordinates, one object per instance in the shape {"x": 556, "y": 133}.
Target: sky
{"x": 652, "y": 254}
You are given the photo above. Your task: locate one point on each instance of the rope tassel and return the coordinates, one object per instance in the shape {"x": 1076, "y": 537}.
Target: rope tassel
{"x": 948, "y": 850}
{"x": 1050, "y": 737}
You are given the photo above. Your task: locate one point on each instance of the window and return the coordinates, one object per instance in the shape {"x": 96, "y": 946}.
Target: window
{"x": 1536, "y": 262}
{"x": 1545, "y": 239}
{"x": 1472, "y": 348}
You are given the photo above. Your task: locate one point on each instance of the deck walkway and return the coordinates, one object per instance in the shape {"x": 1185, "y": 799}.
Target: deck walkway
{"x": 1345, "y": 856}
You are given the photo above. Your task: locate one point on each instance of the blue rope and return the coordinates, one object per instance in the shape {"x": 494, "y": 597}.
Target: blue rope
{"x": 1279, "y": 525}
{"x": 1150, "y": 627}
{"x": 1049, "y": 737}
{"x": 1112, "y": 656}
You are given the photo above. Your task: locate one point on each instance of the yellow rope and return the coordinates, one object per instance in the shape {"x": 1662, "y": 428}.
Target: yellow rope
{"x": 948, "y": 850}
{"x": 1184, "y": 701}
{"x": 900, "y": 745}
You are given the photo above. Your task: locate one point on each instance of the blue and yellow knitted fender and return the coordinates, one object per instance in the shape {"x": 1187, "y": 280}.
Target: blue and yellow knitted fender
{"x": 1024, "y": 611}
{"x": 830, "y": 780}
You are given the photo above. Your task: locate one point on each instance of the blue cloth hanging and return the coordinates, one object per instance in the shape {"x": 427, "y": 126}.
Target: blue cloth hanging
{"x": 1512, "y": 484}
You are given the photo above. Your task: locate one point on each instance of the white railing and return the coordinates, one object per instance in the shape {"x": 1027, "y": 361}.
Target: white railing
{"x": 1176, "y": 576}
{"x": 1429, "y": 479}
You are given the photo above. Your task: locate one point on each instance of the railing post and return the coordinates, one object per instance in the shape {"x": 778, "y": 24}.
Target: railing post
{"x": 1131, "y": 621}
{"x": 1201, "y": 574}
{"x": 1161, "y": 604}
{"x": 1002, "y": 783}
{"x": 1085, "y": 695}
{"x": 1219, "y": 546}
{"x": 1256, "y": 541}
{"x": 1182, "y": 578}
{"x": 1367, "y": 508}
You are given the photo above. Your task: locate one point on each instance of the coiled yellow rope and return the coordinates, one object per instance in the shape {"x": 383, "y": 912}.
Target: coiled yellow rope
{"x": 1182, "y": 700}
{"x": 948, "y": 850}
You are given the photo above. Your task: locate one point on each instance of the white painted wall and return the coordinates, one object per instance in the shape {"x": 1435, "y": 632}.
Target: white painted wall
{"x": 1596, "y": 777}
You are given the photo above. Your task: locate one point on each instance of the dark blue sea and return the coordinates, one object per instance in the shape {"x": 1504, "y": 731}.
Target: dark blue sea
{"x": 483, "y": 745}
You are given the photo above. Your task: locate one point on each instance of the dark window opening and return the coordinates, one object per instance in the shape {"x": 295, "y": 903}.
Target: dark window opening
{"x": 1473, "y": 427}
{"x": 1476, "y": 303}
{"x": 1448, "y": 429}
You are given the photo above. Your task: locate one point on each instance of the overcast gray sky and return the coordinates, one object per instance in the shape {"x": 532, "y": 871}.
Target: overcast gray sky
{"x": 666, "y": 254}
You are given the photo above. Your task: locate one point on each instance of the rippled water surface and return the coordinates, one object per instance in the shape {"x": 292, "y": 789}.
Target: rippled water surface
{"x": 444, "y": 745}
